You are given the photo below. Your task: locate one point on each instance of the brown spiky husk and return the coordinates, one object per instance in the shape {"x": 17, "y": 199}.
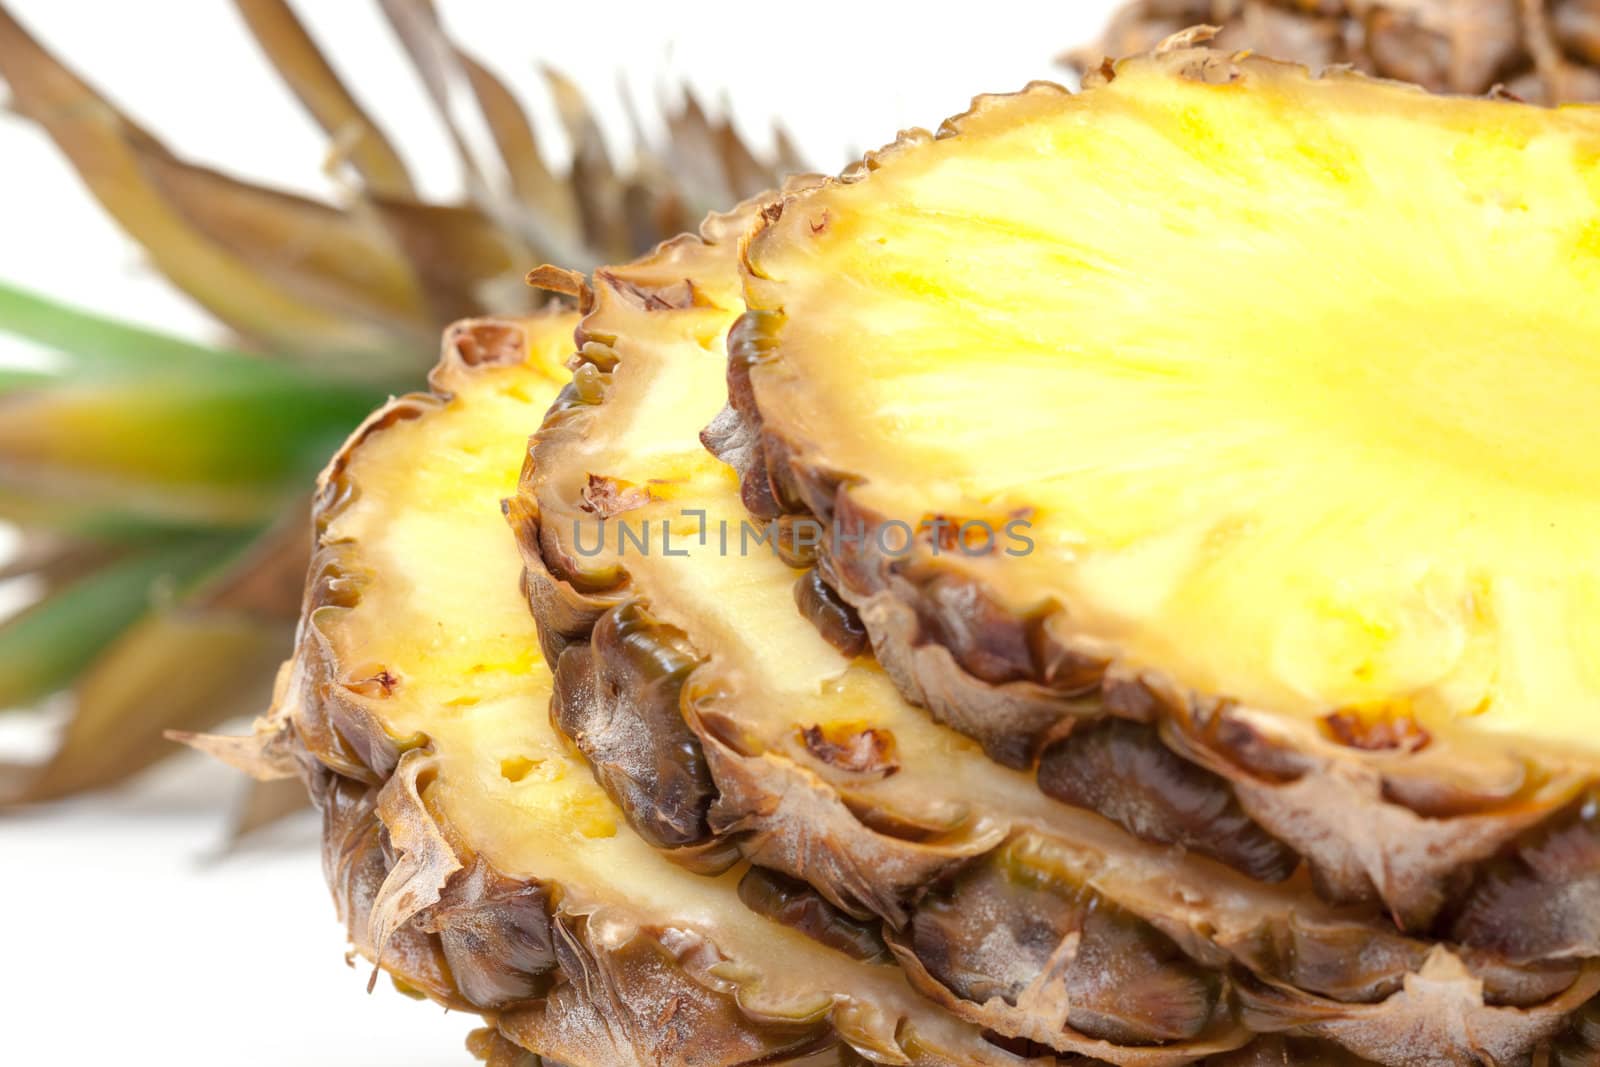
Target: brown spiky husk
{"x": 1541, "y": 50}
{"x": 1191, "y": 949}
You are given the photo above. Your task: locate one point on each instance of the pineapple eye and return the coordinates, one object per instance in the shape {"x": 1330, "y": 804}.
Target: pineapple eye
{"x": 515, "y": 768}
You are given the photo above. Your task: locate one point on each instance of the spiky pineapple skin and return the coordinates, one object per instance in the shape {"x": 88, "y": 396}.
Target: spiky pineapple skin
{"x": 1430, "y": 1013}
{"x": 486, "y": 942}
{"x": 1545, "y": 50}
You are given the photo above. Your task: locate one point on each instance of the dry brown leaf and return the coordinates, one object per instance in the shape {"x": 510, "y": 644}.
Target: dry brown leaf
{"x": 424, "y": 862}
{"x": 109, "y": 153}
{"x": 264, "y": 804}
{"x": 550, "y": 201}
{"x": 263, "y": 755}
{"x": 600, "y": 192}
{"x": 173, "y": 670}
{"x": 313, "y": 81}
{"x": 468, "y": 266}
{"x": 343, "y": 263}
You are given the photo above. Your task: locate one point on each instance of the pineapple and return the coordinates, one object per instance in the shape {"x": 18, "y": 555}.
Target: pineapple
{"x": 1336, "y": 568}
{"x": 474, "y": 859}
{"x": 724, "y": 722}
{"x": 190, "y": 548}
{"x": 1541, "y": 50}
{"x": 1240, "y": 725}
{"x": 472, "y": 856}
{"x": 468, "y": 849}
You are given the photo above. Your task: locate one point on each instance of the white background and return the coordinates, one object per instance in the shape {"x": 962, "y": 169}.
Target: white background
{"x": 127, "y": 938}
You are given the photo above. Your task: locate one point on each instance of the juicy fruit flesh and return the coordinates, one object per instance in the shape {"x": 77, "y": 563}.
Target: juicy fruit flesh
{"x": 454, "y": 653}
{"x": 1293, "y": 379}
{"x": 452, "y": 642}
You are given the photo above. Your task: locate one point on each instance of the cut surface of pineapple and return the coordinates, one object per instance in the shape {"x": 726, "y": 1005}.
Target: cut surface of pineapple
{"x": 1291, "y": 381}
{"x": 714, "y": 712}
{"x": 470, "y": 851}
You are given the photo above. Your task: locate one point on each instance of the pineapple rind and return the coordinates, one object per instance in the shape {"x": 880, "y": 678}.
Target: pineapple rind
{"x": 1544, "y": 51}
{"x": 470, "y": 854}
{"x": 873, "y": 844}
{"x": 970, "y": 640}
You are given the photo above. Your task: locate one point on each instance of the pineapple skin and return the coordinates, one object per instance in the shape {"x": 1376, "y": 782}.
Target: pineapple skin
{"x": 629, "y": 680}
{"x": 405, "y": 849}
{"x": 1546, "y": 50}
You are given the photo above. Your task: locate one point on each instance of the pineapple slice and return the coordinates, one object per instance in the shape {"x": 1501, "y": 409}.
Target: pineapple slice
{"x": 714, "y": 713}
{"x": 470, "y": 852}
{"x": 1262, "y": 439}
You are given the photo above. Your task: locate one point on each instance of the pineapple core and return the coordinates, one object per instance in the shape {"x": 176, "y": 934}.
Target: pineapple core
{"x": 1297, "y": 381}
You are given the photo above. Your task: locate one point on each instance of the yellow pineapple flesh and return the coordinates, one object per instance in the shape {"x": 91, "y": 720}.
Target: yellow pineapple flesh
{"x": 1291, "y": 380}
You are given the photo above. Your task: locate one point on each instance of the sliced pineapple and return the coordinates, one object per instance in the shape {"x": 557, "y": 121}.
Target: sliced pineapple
{"x": 469, "y": 849}
{"x": 715, "y": 714}
{"x": 1247, "y": 352}
{"x": 1271, "y": 396}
